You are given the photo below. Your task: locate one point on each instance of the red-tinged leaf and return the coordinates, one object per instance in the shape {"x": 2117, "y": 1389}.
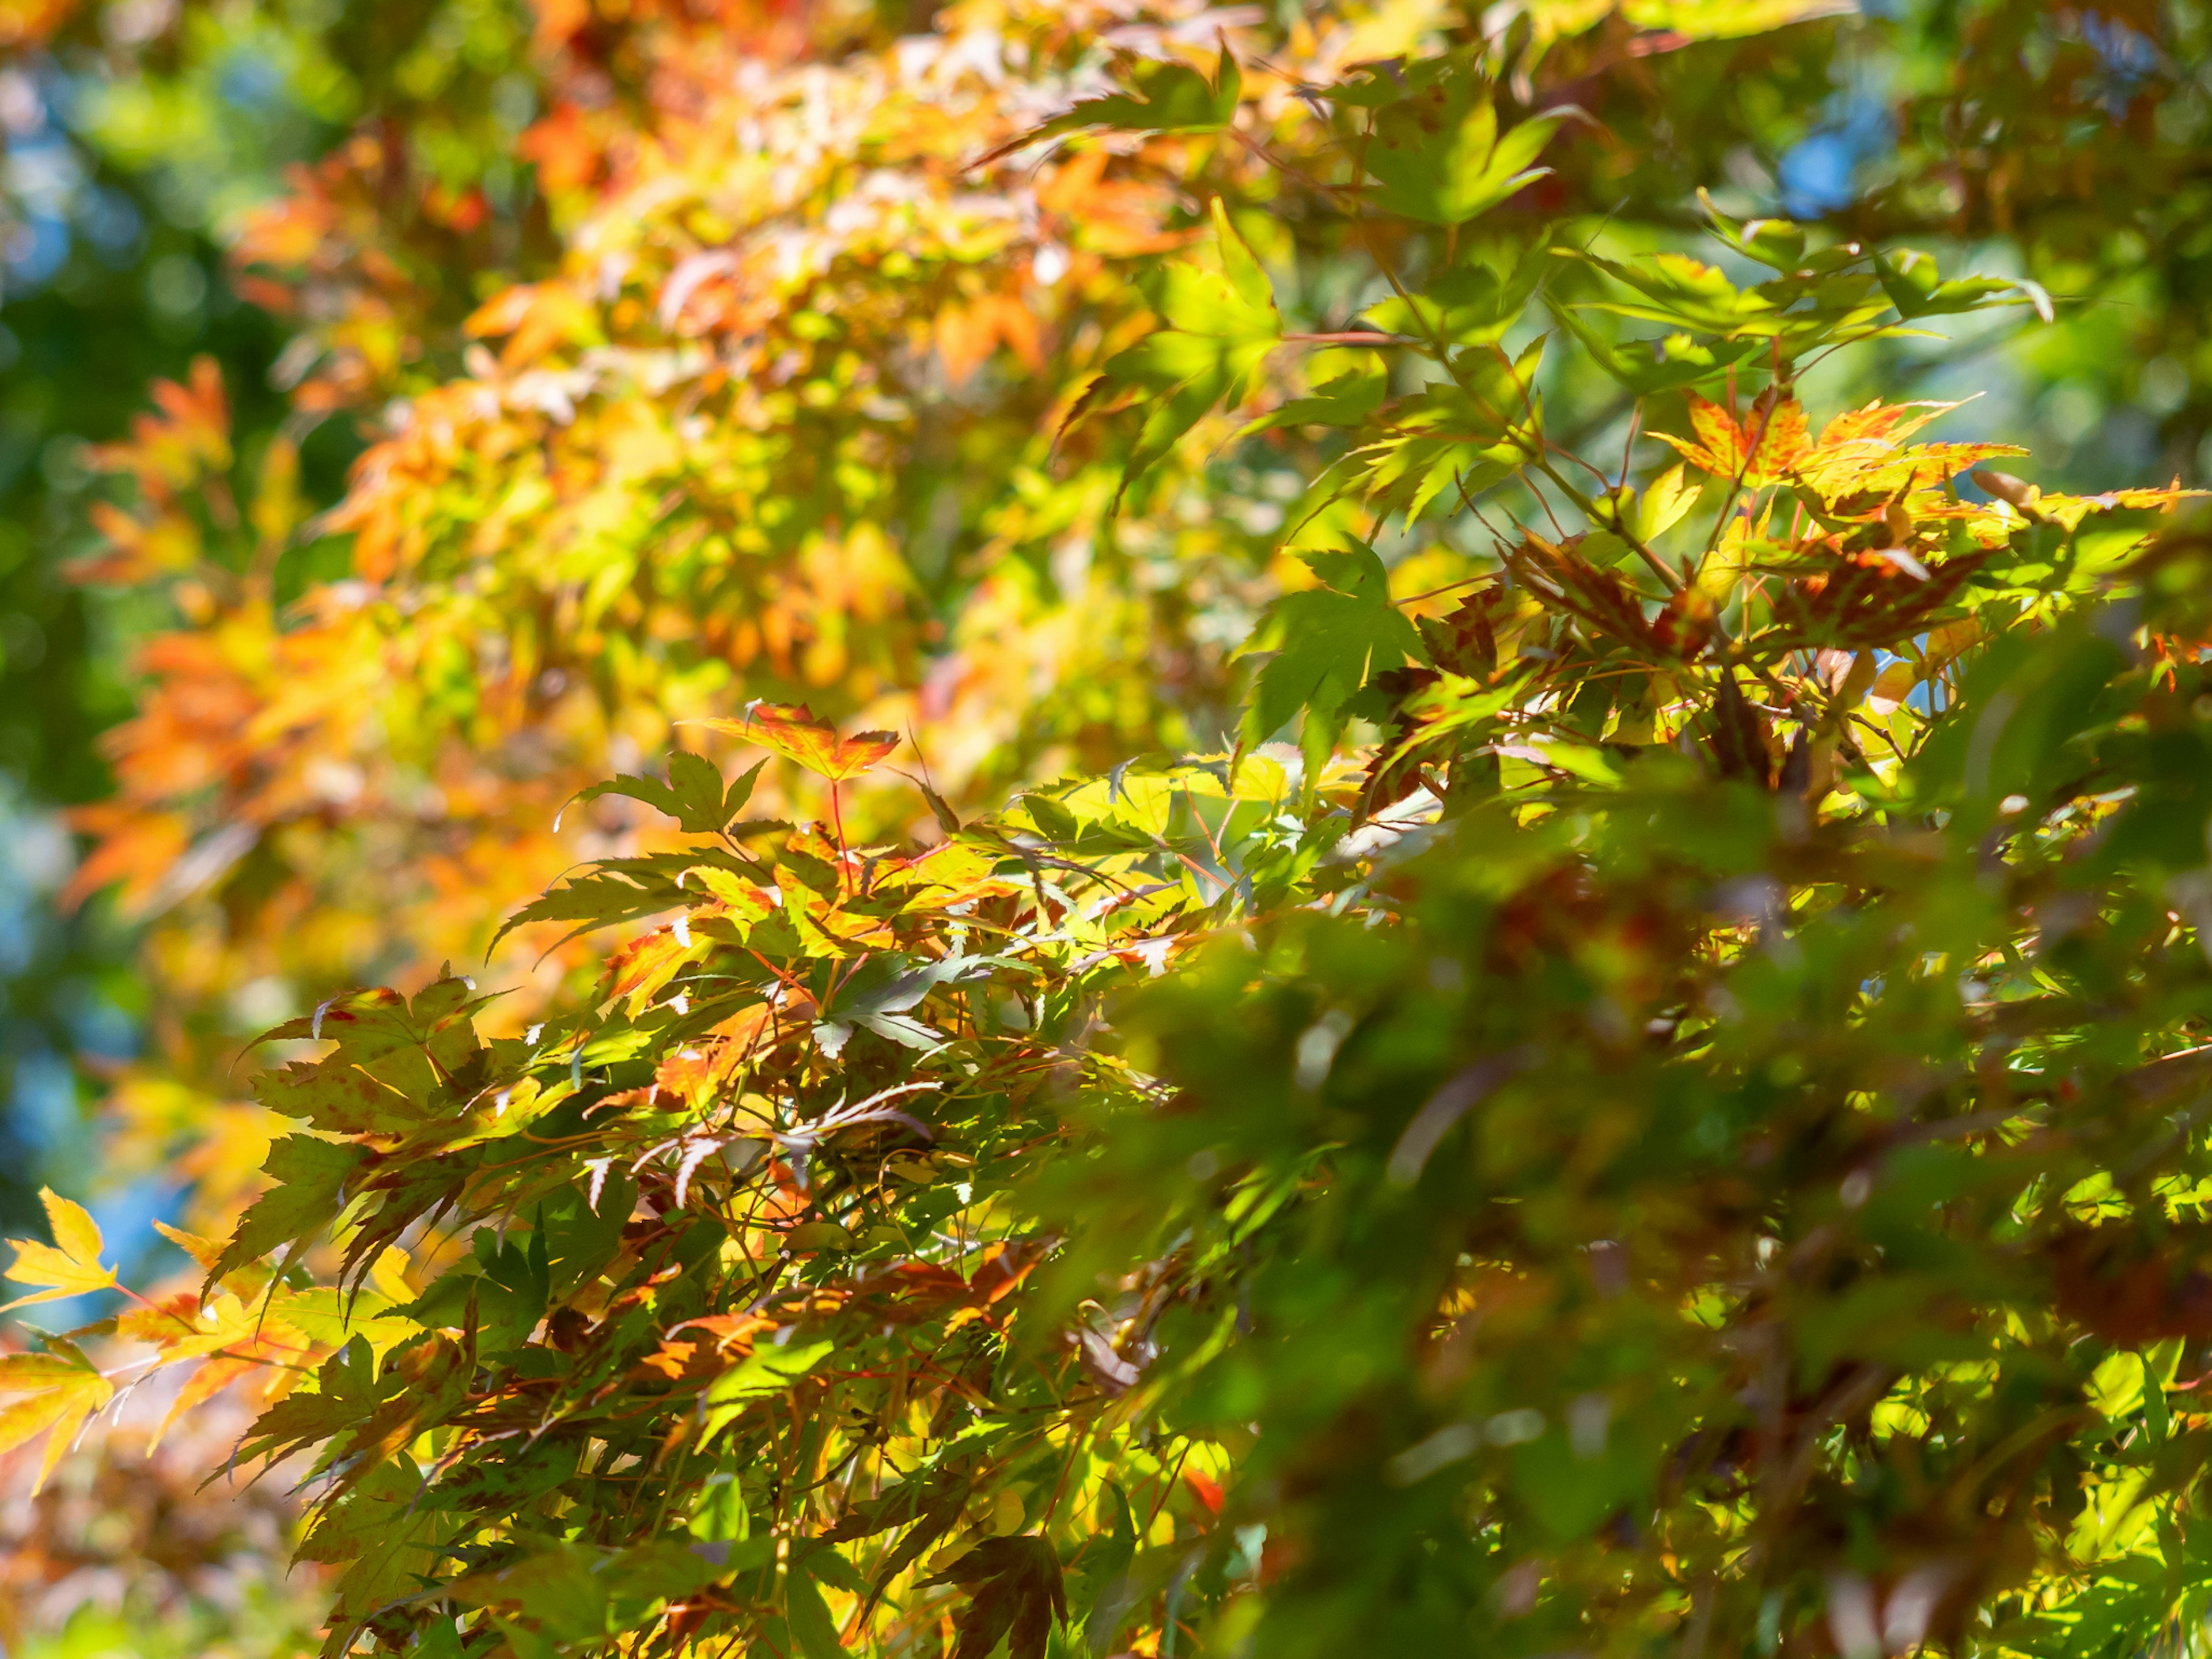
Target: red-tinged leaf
{"x": 212, "y": 1376}
{"x": 643, "y": 968}
{"x": 1759, "y": 451}
{"x": 1685, "y": 626}
{"x": 1207, "y": 1489}
{"x": 1017, "y": 1595}
{"x": 70, "y": 1266}
{"x": 1878, "y": 422}
{"x": 48, "y": 1393}
{"x": 793, "y": 732}
{"x": 1863, "y": 599}
{"x": 1781, "y": 439}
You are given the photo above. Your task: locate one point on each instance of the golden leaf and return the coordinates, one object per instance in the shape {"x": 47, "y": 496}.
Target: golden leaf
{"x": 68, "y": 1267}
{"x": 791, "y": 731}
{"x": 55, "y": 1394}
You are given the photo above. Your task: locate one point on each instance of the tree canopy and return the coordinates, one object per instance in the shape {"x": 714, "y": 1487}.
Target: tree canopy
{"x": 1193, "y": 832}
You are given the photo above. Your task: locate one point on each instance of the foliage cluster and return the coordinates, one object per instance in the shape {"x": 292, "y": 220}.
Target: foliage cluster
{"x": 1646, "y": 1094}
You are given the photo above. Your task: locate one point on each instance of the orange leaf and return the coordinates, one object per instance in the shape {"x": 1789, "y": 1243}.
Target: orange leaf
{"x": 793, "y": 732}
{"x": 1760, "y": 452}
{"x": 1880, "y": 421}
{"x": 642, "y": 968}
{"x": 68, "y": 1267}
{"x": 214, "y": 1375}
{"x": 1717, "y": 431}
{"x": 205, "y": 1251}
{"x": 238, "y": 1342}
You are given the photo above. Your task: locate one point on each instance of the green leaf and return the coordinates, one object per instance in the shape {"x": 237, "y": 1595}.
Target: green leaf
{"x": 1221, "y": 326}
{"x": 1915, "y": 285}
{"x": 1467, "y": 305}
{"x": 580, "y": 1240}
{"x": 395, "y": 1063}
{"x": 721, "y": 1515}
{"x": 1775, "y": 242}
{"x": 1344, "y": 400}
{"x": 508, "y": 1286}
{"x": 891, "y": 984}
{"x": 1105, "y": 1571}
{"x": 1333, "y": 639}
{"x": 1471, "y": 168}
{"x": 1650, "y": 366}
{"x": 347, "y": 1392}
{"x": 808, "y": 1615}
{"x": 693, "y": 795}
{"x": 1167, "y": 97}
{"x": 1687, "y": 294}
{"x": 562, "y": 1589}
{"x": 380, "y": 1531}
{"x": 626, "y": 889}
{"x": 769, "y": 1370}
{"x": 310, "y": 1192}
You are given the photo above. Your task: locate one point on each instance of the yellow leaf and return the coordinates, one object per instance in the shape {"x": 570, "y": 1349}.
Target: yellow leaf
{"x": 1891, "y": 688}
{"x": 793, "y": 732}
{"x": 727, "y": 887}
{"x": 184, "y": 1329}
{"x": 214, "y": 1374}
{"x": 2068, "y": 511}
{"x": 54, "y": 1395}
{"x": 68, "y": 1267}
{"x": 389, "y": 1274}
{"x": 1666, "y": 503}
{"x": 1727, "y": 20}
{"x": 205, "y": 1251}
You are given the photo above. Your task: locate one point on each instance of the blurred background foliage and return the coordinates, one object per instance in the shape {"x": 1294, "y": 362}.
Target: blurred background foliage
{"x": 138, "y": 138}
{"x": 2066, "y": 143}
{"x": 314, "y": 196}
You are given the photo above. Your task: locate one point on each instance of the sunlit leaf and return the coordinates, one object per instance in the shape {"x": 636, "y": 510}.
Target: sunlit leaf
{"x": 70, "y": 1265}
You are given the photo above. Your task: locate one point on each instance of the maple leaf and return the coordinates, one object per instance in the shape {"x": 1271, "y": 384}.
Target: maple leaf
{"x": 1759, "y": 451}
{"x": 55, "y": 1394}
{"x": 311, "y": 1176}
{"x": 1170, "y": 97}
{"x": 1662, "y": 365}
{"x": 1862, "y": 476}
{"x": 2068, "y": 511}
{"x": 793, "y": 732}
{"x": 202, "y": 1251}
{"x": 1221, "y": 325}
{"x": 379, "y": 1531}
{"x": 1877, "y": 420}
{"x": 1018, "y": 1593}
{"x": 641, "y": 968}
{"x": 232, "y": 1339}
{"x": 1469, "y": 169}
{"x": 68, "y": 1267}
{"x": 347, "y": 1392}
{"x": 693, "y": 795}
{"x": 1334, "y": 636}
